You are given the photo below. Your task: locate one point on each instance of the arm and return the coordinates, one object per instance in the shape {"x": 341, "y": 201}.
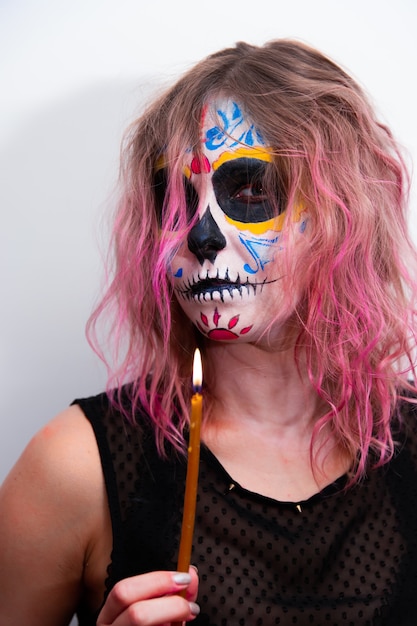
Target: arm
{"x": 49, "y": 505}
{"x": 55, "y": 539}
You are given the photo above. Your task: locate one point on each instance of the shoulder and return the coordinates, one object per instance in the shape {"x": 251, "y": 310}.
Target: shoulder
{"x": 59, "y": 474}
{"x": 63, "y": 454}
{"x": 405, "y": 415}
{"x": 405, "y": 424}
{"x": 50, "y": 505}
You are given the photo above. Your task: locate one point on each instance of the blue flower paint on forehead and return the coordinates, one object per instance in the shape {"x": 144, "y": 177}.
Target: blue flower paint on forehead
{"x": 233, "y": 123}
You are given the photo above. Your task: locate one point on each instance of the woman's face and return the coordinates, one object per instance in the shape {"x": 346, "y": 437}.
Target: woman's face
{"x": 227, "y": 273}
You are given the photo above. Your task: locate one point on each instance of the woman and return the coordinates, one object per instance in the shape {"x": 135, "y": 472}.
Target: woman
{"x": 262, "y": 219}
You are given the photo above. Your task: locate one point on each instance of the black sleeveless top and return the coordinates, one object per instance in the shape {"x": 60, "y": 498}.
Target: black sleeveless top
{"x": 341, "y": 557}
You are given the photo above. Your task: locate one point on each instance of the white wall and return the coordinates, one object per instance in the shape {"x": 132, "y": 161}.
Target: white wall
{"x": 72, "y": 75}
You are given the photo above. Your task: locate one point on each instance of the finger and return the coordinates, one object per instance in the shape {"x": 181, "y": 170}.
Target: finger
{"x": 129, "y": 591}
{"x": 157, "y": 611}
{"x": 191, "y": 591}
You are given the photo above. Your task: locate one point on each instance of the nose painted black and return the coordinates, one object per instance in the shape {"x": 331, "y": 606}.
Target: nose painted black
{"x": 205, "y": 238}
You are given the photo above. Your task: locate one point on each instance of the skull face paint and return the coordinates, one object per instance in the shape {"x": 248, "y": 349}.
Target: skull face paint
{"x": 223, "y": 274}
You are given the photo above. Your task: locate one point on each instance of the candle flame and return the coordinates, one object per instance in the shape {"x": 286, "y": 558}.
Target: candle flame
{"x": 197, "y": 370}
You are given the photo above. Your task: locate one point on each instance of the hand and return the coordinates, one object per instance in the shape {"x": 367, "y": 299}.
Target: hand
{"x": 152, "y": 600}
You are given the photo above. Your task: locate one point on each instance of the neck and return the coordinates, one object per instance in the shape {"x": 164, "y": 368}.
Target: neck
{"x": 264, "y": 404}
{"x": 263, "y": 387}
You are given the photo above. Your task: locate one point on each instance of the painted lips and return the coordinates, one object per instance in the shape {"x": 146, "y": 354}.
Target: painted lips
{"x": 206, "y": 288}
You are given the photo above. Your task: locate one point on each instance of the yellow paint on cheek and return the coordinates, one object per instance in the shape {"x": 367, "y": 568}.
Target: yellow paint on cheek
{"x": 260, "y": 228}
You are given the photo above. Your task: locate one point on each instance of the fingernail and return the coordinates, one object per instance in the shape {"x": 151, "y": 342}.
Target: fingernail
{"x": 181, "y": 578}
{"x": 194, "y": 608}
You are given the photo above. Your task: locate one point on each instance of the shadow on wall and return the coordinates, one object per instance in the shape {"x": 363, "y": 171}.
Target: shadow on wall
{"x": 59, "y": 170}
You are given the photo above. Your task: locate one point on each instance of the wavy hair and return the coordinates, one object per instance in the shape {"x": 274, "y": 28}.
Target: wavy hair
{"x": 357, "y": 316}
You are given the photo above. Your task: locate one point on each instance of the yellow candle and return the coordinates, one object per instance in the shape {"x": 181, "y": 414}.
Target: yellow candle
{"x": 191, "y": 481}
{"x": 193, "y": 463}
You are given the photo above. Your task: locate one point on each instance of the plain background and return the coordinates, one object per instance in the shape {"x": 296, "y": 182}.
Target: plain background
{"x": 72, "y": 76}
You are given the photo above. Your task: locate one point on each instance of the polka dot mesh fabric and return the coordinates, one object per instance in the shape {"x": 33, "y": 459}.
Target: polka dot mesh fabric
{"x": 341, "y": 557}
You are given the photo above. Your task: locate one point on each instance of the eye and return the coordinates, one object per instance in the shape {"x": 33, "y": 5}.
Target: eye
{"x": 160, "y": 186}
{"x": 191, "y": 199}
{"x": 240, "y": 192}
{"x": 252, "y": 192}
{"x": 160, "y": 183}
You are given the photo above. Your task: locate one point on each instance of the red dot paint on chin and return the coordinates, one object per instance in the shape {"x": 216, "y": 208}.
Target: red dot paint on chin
{"x": 222, "y": 334}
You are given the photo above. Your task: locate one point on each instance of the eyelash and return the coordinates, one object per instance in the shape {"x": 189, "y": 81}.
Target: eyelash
{"x": 258, "y": 194}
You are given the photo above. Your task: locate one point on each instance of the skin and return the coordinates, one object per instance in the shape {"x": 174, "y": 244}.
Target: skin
{"x": 56, "y": 539}
{"x": 263, "y": 403}
{"x": 227, "y": 274}
{"x": 55, "y": 530}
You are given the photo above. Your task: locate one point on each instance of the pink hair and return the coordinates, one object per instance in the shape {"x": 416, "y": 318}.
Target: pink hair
{"x": 357, "y": 313}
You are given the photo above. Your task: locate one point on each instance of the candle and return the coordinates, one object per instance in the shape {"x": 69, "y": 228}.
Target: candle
{"x": 191, "y": 481}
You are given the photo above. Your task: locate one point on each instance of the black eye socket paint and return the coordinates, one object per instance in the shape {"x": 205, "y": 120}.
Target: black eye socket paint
{"x": 160, "y": 183}
{"x": 191, "y": 199}
{"x": 160, "y": 186}
{"x": 238, "y": 186}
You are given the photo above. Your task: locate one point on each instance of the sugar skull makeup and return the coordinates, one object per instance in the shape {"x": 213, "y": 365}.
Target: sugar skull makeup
{"x": 223, "y": 274}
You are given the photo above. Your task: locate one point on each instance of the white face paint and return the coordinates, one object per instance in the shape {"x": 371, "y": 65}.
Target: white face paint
{"x": 226, "y": 277}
